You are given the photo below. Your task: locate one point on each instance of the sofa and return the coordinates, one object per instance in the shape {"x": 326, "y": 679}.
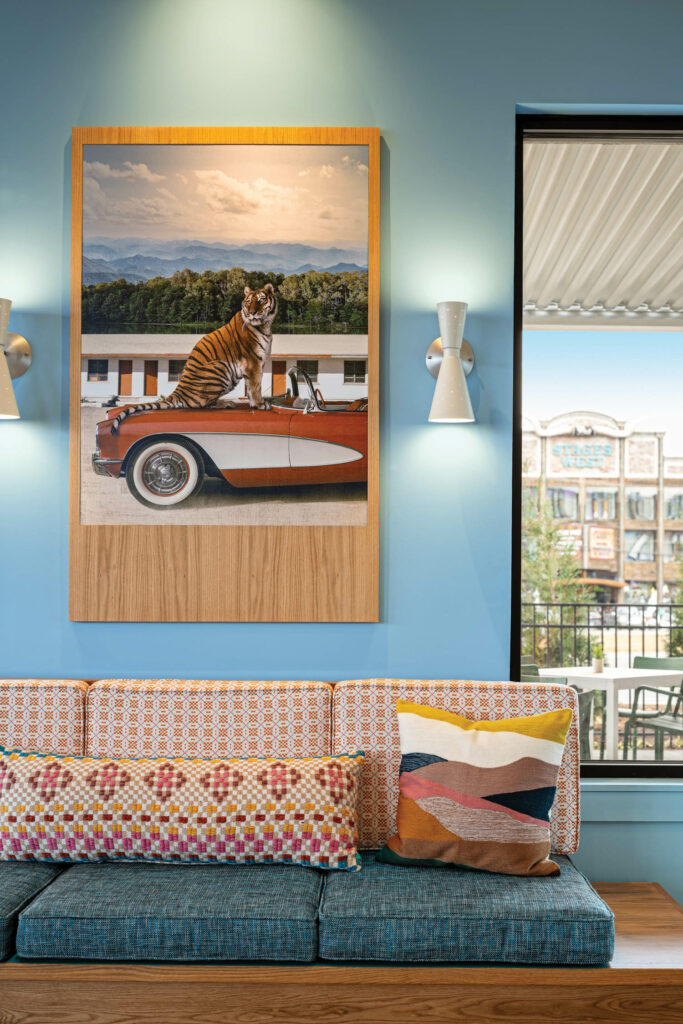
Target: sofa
{"x": 213, "y": 913}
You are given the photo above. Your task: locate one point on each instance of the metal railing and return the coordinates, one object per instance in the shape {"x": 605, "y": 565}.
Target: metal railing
{"x": 565, "y": 633}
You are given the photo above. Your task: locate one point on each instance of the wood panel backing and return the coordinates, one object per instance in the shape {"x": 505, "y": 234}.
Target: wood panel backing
{"x": 225, "y": 573}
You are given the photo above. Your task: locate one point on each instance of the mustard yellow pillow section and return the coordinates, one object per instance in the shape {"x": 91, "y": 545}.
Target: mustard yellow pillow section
{"x": 241, "y": 811}
{"x": 477, "y": 794}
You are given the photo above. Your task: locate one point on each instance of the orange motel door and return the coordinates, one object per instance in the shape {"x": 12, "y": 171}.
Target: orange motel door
{"x": 151, "y": 374}
{"x": 125, "y": 377}
{"x": 279, "y": 371}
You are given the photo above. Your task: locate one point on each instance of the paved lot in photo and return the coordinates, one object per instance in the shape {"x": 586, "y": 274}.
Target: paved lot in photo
{"x": 108, "y": 501}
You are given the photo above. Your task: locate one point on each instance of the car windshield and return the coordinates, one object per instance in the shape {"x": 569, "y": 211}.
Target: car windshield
{"x": 309, "y": 399}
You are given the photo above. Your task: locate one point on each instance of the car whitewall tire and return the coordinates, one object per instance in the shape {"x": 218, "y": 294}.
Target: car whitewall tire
{"x": 164, "y": 473}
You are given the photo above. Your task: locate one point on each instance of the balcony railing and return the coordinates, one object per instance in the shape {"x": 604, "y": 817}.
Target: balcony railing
{"x": 565, "y": 634}
{"x": 557, "y": 635}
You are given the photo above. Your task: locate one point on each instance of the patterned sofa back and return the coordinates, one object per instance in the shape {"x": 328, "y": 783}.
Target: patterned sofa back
{"x": 364, "y": 718}
{"x": 202, "y": 718}
{"x": 46, "y": 715}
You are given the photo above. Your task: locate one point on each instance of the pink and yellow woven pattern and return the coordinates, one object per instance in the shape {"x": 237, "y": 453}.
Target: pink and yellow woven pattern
{"x": 203, "y": 718}
{"x": 43, "y": 714}
{"x": 364, "y": 713}
{"x": 237, "y": 811}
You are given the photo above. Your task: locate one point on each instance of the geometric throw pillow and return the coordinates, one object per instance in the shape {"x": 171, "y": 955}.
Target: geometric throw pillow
{"x": 233, "y": 811}
{"x": 477, "y": 794}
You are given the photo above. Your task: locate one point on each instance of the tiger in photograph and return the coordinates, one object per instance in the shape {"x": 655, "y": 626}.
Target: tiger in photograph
{"x": 237, "y": 351}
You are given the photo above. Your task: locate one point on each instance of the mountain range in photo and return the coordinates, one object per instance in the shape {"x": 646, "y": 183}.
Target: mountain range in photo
{"x": 141, "y": 259}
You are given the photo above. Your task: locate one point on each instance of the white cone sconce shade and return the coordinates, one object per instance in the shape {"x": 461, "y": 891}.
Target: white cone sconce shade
{"x": 8, "y": 403}
{"x": 451, "y": 402}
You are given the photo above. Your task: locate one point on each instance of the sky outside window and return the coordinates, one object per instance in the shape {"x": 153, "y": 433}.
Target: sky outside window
{"x": 634, "y": 376}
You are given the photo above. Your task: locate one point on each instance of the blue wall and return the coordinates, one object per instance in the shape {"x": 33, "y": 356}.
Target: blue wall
{"x": 442, "y": 80}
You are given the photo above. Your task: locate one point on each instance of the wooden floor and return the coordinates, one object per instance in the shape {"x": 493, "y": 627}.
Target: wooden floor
{"x": 644, "y": 985}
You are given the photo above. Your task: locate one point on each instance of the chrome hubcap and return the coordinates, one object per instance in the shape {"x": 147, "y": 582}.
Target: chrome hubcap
{"x": 165, "y": 472}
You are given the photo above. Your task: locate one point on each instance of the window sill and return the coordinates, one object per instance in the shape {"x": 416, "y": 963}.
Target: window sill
{"x": 631, "y": 800}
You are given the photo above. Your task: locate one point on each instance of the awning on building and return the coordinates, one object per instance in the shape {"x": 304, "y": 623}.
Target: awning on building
{"x": 603, "y": 234}
{"x": 593, "y": 581}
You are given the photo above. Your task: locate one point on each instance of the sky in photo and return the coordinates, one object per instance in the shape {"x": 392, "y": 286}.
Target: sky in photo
{"x": 315, "y": 195}
{"x": 630, "y": 375}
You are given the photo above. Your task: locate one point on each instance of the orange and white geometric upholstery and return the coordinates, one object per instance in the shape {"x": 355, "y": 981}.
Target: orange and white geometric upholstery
{"x": 364, "y": 718}
{"x": 43, "y": 715}
{"x": 205, "y": 718}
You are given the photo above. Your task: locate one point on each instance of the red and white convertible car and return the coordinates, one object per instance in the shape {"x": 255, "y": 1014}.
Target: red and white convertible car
{"x": 165, "y": 455}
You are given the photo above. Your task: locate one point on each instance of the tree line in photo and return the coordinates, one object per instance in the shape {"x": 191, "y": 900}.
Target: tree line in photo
{"x": 315, "y": 302}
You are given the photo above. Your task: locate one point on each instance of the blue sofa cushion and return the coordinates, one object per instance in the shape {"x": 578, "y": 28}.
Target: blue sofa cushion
{"x": 20, "y": 881}
{"x": 445, "y": 914}
{"x": 175, "y": 912}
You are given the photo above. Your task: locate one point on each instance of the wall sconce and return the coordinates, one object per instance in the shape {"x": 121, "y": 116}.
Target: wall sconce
{"x": 15, "y": 359}
{"x": 450, "y": 359}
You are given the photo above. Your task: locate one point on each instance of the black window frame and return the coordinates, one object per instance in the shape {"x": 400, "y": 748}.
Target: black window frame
{"x": 174, "y": 379}
{"x": 573, "y": 125}
{"x": 98, "y": 378}
{"x": 352, "y": 377}
{"x": 299, "y": 367}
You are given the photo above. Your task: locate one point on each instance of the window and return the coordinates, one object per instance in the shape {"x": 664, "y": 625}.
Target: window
{"x": 599, "y": 559}
{"x": 641, "y": 505}
{"x": 98, "y": 369}
{"x": 601, "y": 504}
{"x": 564, "y": 502}
{"x": 309, "y": 366}
{"x": 354, "y": 371}
{"x": 674, "y": 506}
{"x": 639, "y": 545}
{"x": 673, "y": 546}
{"x": 175, "y": 368}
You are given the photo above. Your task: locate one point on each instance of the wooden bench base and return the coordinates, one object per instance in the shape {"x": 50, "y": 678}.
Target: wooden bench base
{"x": 643, "y": 985}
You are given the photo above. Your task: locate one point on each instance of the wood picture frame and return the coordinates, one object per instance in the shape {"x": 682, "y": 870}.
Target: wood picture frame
{"x": 209, "y": 573}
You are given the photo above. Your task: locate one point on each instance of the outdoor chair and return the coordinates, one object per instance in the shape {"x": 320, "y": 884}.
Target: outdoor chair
{"x": 663, "y": 721}
{"x": 530, "y": 674}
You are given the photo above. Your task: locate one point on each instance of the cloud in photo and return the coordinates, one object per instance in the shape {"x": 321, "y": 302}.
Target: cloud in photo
{"x": 224, "y": 194}
{"x": 97, "y": 169}
{"x": 232, "y": 193}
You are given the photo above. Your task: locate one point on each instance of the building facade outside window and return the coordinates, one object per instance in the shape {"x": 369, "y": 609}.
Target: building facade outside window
{"x": 636, "y": 592}
{"x": 175, "y": 368}
{"x": 639, "y": 545}
{"x": 641, "y": 505}
{"x": 564, "y": 502}
{"x": 601, "y": 503}
{"x": 355, "y": 371}
{"x": 615, "y": 492}
{"x": 98, "y": 369}
{"x": 309, "y": 366}
{"x": 674, "y": 505}
{"x": 673, "y": 545}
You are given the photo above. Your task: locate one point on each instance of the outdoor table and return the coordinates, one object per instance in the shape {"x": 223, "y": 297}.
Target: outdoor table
{"x": 611, "y": 680}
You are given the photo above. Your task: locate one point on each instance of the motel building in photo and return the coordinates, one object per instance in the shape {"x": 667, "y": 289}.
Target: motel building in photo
{"x": 616, "y": 497}
{"x": 123, "y": 368}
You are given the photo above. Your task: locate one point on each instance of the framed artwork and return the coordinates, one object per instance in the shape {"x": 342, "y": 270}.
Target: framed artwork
{"x": 224, "y": 374}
